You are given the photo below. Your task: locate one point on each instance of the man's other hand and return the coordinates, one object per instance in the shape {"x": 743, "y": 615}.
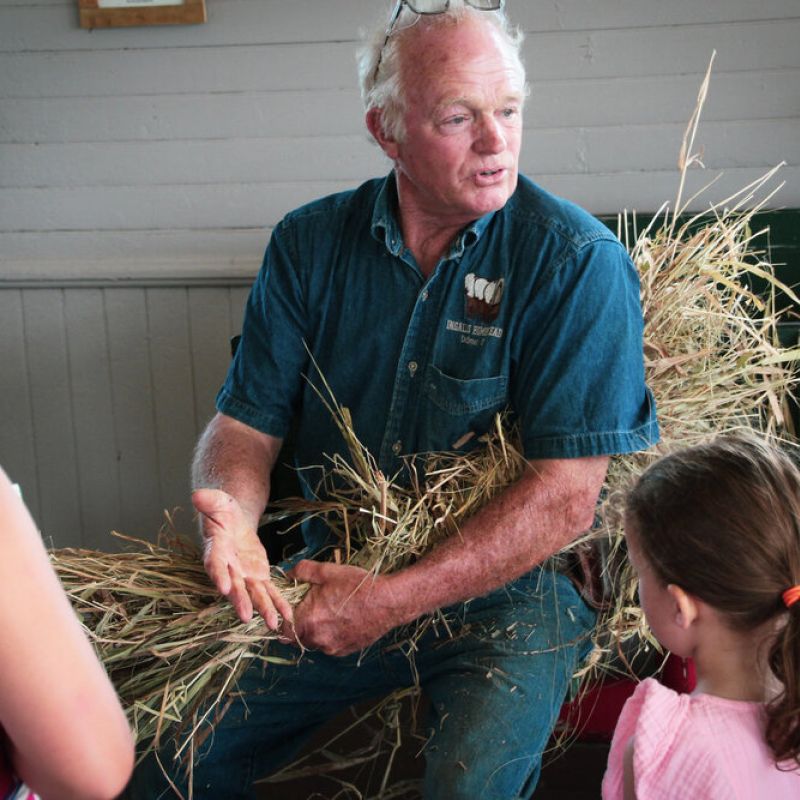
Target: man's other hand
{"x": 235, "y": 559}
{"x": 346, "y": 608}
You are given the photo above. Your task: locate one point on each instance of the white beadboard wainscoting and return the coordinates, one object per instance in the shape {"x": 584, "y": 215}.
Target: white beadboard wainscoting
{"x": 104, "y": 392}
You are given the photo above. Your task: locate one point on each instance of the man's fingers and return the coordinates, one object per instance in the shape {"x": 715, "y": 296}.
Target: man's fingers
{"x": 269, "y": 602}
{"x": 283, "y": 606}
{"x": 288, "y": 635}
{"x": 240, "y": 598}
{"x": 307, "y": 571}
{"x": 262, "y": 602}
{"x": 217, "y": 569}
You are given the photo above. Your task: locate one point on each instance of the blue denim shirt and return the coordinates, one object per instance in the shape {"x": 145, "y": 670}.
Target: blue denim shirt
{"x": 535, "y": 308}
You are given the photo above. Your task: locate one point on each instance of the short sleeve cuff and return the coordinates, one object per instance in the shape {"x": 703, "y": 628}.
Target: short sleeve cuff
{"x": 592, "y": 444}
{"x": 271, "y": 424}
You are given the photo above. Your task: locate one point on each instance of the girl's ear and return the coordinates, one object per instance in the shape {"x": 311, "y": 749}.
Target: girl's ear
{"x": 685, "y": 608}
{"x": 375, "y": 127}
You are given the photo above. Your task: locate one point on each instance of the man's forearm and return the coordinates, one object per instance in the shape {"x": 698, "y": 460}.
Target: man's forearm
{"x": 237, "y": 459}
{"x": 528, "y": 522}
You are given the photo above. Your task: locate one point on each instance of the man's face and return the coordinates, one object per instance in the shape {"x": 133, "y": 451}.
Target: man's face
{"x": 464, "y": 94}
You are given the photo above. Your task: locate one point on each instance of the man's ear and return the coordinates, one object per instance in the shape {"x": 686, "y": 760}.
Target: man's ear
{"x": 375, "y": 127}
{"x": 685, "y": 608}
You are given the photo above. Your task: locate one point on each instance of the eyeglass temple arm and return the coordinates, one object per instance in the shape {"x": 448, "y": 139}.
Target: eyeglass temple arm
{"x": 398, "y": 7}
{"x": 395, "y": 15}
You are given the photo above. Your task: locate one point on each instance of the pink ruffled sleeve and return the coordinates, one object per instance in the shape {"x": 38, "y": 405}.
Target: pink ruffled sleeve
{"x": 672, "y": 759}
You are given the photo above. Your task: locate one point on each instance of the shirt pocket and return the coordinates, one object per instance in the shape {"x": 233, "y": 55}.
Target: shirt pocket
{"x": 456, "y": 408}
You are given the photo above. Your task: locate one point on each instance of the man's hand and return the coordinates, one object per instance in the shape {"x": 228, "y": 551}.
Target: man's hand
{"x": 345, "y": 610}
{"x": 235, "y": 559}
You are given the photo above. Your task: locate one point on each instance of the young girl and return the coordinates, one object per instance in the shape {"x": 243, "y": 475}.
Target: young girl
{"x": 62, "y": 729}
{"x": 713, "y": 533}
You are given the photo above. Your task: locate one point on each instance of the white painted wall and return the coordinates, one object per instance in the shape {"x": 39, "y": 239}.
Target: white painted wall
{"x": 173, "y": 150}
{"x": 141, "y": 171}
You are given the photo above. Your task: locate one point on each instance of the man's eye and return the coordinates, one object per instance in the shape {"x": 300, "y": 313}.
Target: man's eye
{"x": 459, "y": 119}
{"x": 509, "y": 112}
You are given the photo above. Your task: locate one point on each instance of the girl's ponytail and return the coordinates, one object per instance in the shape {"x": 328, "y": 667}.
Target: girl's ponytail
{"x": 783, "y": 713}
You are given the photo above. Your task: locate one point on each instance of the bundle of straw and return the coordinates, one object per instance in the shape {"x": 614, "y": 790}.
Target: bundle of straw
{"x": 383, "y": 525}
{"x": 171, "y": 645}
{"x": 713, "y": 358}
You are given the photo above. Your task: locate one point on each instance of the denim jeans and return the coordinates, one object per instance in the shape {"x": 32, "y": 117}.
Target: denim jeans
{"x": 495, "y": 690}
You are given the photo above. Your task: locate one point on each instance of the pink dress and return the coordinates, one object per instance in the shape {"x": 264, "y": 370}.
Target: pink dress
{"x": 695, "y": 746}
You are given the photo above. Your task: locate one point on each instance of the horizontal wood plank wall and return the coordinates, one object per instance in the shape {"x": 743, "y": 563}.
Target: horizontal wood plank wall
{"x": 172, "y": 151}
{"x": 104, "y": 394}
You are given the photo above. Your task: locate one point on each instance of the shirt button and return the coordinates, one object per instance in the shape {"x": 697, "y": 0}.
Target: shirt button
{"x": 425, "y": 295}
{"x": 397, "y": 447}
{"x": 412, "y": 367}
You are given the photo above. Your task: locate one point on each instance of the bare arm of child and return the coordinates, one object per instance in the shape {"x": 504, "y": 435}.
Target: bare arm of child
{"x": 628, "y": 788}
{"x": 66, "y": 732}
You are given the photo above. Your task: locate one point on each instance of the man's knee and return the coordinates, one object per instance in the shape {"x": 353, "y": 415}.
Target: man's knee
{"x": 459, "y": 776}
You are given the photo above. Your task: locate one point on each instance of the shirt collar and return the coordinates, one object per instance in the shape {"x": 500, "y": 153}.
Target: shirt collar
{"x": 385, "y": 228}
{"x": 384, "y": 221}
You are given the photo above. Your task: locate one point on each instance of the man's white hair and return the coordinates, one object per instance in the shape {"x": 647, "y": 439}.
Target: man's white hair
{"x": 386, "y": 90}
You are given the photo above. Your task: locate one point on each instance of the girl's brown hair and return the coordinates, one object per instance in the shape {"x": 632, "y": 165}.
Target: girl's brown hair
{"x": 722, "y": 521}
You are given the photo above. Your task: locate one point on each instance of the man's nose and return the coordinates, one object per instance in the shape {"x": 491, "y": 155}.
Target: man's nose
{"x": 491, "y": 136}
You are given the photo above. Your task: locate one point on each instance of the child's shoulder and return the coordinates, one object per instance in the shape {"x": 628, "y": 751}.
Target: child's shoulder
{"x": 672, "y": 756}
{"x": 658, "y": 713}
{"x": 676, "y": 720}
{"x": 664, "y": 706}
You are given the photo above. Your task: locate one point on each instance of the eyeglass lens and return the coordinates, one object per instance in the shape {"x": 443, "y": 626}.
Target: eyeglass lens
{"x": 440, "y": 6}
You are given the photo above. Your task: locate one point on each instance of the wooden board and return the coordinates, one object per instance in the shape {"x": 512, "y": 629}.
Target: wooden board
{"x": 126, "y": 16}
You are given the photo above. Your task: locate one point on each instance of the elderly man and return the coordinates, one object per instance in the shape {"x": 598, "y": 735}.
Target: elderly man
{"x": 430, "y": 299}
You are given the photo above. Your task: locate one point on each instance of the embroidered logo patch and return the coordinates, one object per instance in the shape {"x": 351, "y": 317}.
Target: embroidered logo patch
{"x": 482, "y": 298}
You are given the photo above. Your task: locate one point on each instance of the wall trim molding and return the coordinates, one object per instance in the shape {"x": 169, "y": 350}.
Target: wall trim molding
{"x": 126, "y": 272}
{"x": 127, "y": 283}
{"x": 784, "y": 242}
